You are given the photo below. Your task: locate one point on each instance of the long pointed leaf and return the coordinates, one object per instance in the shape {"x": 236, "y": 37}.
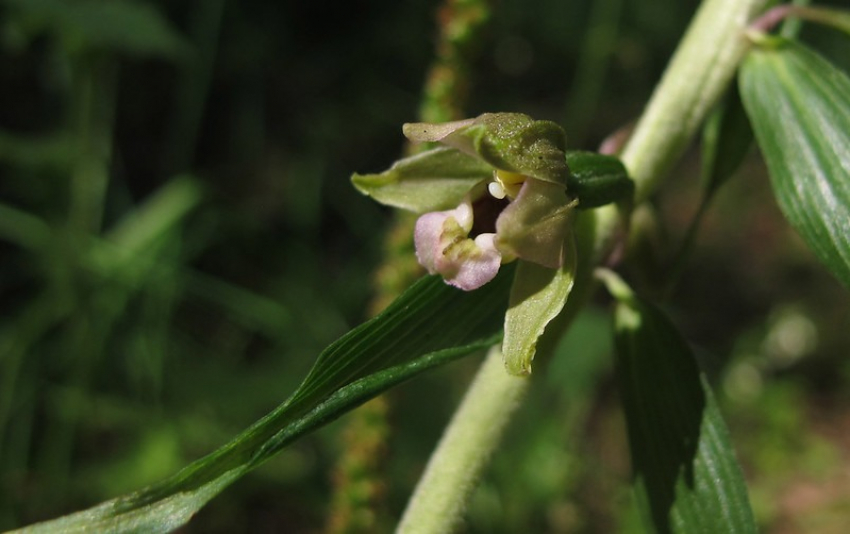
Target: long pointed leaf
{"x": 687, "y": 479}
{"x": 430, "y": 324}
{"x": 799, "y": 106}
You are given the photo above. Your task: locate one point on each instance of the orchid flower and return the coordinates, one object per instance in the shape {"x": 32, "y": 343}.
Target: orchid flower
{"x": 499, "y": 190}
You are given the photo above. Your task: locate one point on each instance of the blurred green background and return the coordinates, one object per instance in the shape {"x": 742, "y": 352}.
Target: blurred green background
{"x": 179, "y": 240}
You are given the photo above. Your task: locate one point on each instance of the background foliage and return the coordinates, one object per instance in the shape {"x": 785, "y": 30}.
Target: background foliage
{"x": 232, "y": 249}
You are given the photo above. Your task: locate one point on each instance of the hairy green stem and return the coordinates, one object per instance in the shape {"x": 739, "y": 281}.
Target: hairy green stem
{"x": 464, "y": 450}
{"x": 698, "y": 73}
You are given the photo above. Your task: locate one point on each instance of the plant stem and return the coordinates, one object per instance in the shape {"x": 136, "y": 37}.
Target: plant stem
{"x": 699, "y": 72}
{"x": 464, "y": 450}
{"x": 697, "y": 75}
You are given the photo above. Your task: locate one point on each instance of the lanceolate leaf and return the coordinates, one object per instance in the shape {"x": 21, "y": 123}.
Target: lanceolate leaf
{"x": 799, "y": 106}
{"x": 429, "y": 325}
{"x": 686, "y": 476}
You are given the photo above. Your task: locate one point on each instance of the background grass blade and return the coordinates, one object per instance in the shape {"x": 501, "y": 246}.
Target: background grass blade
{"x": 686, "y": 476}
{"x": 135, "y": 28}
{"x": 799, "y": 106}
{"x": 430, "y": 324}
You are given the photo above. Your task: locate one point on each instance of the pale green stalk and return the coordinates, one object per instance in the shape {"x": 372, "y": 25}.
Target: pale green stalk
{"x": 698, "y": 74}
{"x": 464, "y": 450}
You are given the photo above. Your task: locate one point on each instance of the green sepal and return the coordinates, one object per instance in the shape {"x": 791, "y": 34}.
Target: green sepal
{"x": 510, "y": 142}
{"x": 538, "y": 295}
{"x": 431, "y": 181}
{"x": 597, "y": 179}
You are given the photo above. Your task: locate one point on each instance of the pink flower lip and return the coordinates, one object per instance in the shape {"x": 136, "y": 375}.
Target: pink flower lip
{"x": 443, "y": 247}
{"x": 532, "y": 226}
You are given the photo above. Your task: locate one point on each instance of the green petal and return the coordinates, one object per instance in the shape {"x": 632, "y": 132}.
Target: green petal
{"x": 535, "y": 225}
{"x": 508, "y": 141}
{"x": 431, "y": 181}
{"x": 537, "y": 296}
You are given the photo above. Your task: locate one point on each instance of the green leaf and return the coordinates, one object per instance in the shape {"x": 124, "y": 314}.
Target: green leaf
{"x": 538, "y": 295}
{"x": 685, "y": 472}
{"x": 799, "y": 106}
{"x": 126, "y": 26}
{"x": 49, "y": 152}
{"x": 597, "y": 179}
{"x": 726, "y": 139}
{"x": 429, "y": 325}
{"x": 431, "y": 181}
{"x": 133, "y": 234}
